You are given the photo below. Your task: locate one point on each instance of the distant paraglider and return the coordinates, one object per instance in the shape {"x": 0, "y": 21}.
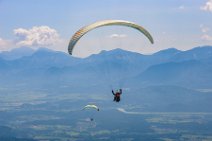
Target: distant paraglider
{"x": 90, "y": 27}
{"x": 91, "y": 107}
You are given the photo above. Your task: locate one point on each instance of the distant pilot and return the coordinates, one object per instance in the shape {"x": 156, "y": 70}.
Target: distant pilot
{"x": 117, "y": 95}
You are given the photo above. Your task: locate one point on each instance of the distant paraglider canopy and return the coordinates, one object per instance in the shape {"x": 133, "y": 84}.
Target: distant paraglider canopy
{"x": 90, "y": 27}
{"x": 91, "y": 106}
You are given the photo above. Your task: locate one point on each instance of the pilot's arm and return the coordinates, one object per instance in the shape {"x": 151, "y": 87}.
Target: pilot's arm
{"x": 113, "y": 92}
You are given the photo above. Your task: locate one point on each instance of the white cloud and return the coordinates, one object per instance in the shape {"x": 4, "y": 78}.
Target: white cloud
{"x": 206, "y": 37}
{"x": 182, "y": 7}
{"x": 127, "y": 112}
{"x": 207, "y": 6}
{"x": 5, "y": 44}
{"x": 118, "y": 36}
{"x": 36, "y": 36}
{"x": 204, "y": 29}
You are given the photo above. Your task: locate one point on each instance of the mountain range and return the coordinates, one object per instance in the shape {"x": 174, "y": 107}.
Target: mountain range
{"x": 117, "y": 68}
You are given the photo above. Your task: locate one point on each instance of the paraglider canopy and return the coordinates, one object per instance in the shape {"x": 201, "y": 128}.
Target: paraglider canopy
{"x": 90, "y": 27}
{"x": 91, "y": 106}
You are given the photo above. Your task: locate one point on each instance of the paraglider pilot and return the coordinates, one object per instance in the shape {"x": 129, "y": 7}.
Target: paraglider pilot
{"x": 117, "y": 95}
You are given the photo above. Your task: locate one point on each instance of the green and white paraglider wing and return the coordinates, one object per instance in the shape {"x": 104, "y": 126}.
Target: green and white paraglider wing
{"x": 91, "y": 106}
{"x": 90, "y": 27}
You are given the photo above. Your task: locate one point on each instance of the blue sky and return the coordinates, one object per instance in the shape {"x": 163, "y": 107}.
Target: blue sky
{"x": 182, "y": 24}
